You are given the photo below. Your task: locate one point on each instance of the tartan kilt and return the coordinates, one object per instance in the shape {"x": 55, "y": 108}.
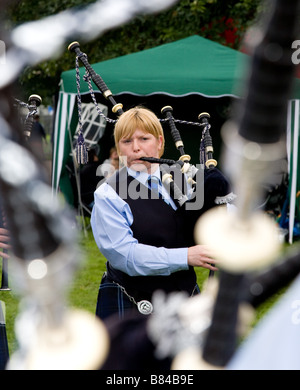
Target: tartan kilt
{"x": 112, "y": 300}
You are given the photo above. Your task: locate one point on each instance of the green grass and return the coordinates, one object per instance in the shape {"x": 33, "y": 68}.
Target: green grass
{"x": 11, "y": 307}
{"x": 83, "y": 291}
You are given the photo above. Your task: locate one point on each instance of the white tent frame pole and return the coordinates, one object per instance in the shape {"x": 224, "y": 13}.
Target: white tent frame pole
{"x": 292, "y": 146}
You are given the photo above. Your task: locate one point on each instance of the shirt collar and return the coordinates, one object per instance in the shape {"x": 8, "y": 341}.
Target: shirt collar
{"x": 143, "y": 176}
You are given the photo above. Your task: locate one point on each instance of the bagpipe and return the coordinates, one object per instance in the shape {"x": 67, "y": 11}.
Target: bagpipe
{"x": 34, "y": 101}
{"x": 211, "y": 181}
{"x": 117, "y": 108}
{"x": 44, "y": 255}
{"x": 42, "y": 261}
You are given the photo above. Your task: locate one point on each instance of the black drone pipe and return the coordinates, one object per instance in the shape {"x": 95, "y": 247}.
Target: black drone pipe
{"x": 97, "y": 79}
{"x": 262, "y": 286}
{"x": 167, "y": 112}
{"x": 210, "y": 162}
{"x": 264, "y": 116}
{"x": 166, "y": 161}
{"x": 34, "y": 101}
{"x": 4, "y": 280}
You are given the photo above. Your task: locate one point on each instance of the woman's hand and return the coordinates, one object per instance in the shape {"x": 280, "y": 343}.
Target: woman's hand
{"x": 201, "y": 256}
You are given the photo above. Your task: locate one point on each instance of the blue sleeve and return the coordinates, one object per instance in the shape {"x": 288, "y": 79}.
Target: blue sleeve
{"x": 111, "y": 220}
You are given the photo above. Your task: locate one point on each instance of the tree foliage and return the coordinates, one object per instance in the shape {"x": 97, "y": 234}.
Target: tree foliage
{"x": 223, "y": 22}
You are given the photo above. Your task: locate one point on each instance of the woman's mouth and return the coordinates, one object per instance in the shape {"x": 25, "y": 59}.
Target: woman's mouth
{"x": 137, "y": 161}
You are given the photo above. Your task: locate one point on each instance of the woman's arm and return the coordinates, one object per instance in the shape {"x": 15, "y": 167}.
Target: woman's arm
{"x": 111, "y": 220}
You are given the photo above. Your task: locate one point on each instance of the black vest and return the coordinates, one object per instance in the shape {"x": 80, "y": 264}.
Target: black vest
{"x": 154, "y": 223}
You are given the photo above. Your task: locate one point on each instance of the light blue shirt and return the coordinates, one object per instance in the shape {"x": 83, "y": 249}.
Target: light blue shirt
{"x": 111, "y": 220}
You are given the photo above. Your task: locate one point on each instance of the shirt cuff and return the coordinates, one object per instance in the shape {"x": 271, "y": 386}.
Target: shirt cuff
{"x": 178, "y": 259}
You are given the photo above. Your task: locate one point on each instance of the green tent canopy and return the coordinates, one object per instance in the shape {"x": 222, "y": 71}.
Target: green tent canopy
{"x": 174, "y": 74}
{"x": 192, "y": 75}
{"x": 191, "y": 65}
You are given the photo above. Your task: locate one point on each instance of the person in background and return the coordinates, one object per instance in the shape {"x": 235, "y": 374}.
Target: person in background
{"x": 37, "y": 137}
{"x": 110, "y": 165}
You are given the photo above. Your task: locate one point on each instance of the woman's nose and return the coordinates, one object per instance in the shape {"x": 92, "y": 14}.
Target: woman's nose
{"x": 136, "y": 145}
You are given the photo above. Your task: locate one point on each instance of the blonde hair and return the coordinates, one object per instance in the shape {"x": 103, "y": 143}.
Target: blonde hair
{"x": 138, "y": 118}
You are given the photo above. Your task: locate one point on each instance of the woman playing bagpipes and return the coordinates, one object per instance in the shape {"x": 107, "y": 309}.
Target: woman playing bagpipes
{"x": 142, "y": 233}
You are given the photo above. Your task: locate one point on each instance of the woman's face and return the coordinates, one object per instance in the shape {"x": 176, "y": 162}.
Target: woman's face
{"x": 140, "y": 144}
